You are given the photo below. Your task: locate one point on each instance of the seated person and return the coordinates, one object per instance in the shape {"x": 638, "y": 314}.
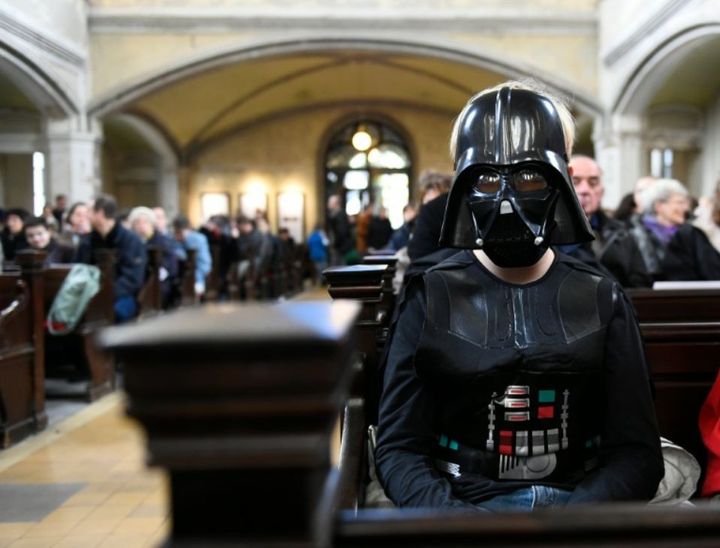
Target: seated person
{"x": 130, "y": 259}
{"x": 13, "y": 235}
{"x": 672, "y": 248}
{"x": 77, "y": 225}
{"x": 613, "y": 246}
{"x": 38, "y": 237}
{"x": 515, "y": 375}
{"x": 191, "y": 239}
{"x": 142, "y": 223}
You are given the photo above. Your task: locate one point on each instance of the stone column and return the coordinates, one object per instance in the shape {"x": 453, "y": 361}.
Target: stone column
{"x": 169, "y": 191}
{"x": 620, "y": 150}
{"x": 72, "y": 160}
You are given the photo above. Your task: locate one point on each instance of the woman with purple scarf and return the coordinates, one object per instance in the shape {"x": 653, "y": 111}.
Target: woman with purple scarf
{"x": 671, "y": 248}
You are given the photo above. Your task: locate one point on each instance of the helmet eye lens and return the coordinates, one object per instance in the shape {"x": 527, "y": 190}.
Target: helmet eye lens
{"x": 528, "y": 181}
{"x": 487, "y": 183}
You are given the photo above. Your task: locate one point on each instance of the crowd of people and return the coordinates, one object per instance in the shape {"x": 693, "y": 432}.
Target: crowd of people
{"x": 72, "y": 234}
{"x": 658, "y": 232}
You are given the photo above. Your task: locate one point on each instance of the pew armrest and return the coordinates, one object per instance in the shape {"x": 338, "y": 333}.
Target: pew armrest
{"x": 16, "y": 305}
{"x": 352, "y": 455}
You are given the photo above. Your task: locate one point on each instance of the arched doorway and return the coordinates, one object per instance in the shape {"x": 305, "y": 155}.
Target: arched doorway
{"x": 672, "y": 99}
{"x": 368, "y": 162}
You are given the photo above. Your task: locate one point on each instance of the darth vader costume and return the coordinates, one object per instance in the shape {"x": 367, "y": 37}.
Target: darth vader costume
{"x": 491, "y": 387}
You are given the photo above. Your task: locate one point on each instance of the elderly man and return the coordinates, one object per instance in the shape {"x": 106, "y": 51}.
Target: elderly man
{"x": 142, "y": 222}
{"x": 613, "y": 246}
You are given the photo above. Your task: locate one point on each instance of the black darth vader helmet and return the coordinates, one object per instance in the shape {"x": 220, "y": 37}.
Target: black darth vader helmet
{"x": 512, "y": 195}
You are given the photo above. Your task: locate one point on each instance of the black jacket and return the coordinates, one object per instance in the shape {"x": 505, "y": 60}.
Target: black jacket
{"x": 12, "y": 243}
{"x": 481, "y": 372}
{"x": 130, "y": 258}
{"x": 691, "y": 256}
{"x": 58, "y": 253}
{"x": 426, "y": 233}
{"x": 616, "y": 250}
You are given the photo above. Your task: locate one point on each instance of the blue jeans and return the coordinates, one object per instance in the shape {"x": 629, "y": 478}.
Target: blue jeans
{"x": 527, "y": 499}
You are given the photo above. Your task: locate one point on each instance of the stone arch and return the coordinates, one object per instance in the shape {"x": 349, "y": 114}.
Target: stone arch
{"x": 40, "y": 88}
{"x": 166, "y": 150}
{"x": 653, "y": 69}
{"x": 116, "y": 99}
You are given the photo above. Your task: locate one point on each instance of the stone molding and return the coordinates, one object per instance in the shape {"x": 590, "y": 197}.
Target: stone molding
{"x": 104, "y": 20}
{"x": 641, "y": 32}
{"x": 42, "y": 42}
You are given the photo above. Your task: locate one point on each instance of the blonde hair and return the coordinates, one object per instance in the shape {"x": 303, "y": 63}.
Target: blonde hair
{"x": 560, "y": 104}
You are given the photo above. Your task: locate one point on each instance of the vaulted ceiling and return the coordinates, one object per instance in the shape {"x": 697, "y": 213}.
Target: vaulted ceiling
{"x": 203, "y": 108}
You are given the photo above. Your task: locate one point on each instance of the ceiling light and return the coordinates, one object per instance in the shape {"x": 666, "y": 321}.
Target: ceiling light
{"x": 361, "y": 140}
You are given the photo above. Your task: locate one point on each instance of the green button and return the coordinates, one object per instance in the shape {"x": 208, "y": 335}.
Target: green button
{"x": 546, "y": 396}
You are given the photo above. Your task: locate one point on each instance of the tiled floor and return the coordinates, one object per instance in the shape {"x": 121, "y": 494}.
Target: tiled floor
{"x": 82, "y": 483}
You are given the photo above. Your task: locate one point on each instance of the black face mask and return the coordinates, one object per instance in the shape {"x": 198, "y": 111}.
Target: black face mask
{"x": 512, "y": 209}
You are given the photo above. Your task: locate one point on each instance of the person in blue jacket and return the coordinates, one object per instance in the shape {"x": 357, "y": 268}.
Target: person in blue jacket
{"x": 191, "y": 239}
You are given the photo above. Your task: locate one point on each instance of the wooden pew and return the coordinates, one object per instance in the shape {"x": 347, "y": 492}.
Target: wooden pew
{"x": 187, "y": 279}
{"x": 99, "y": 313}
{"x": 150, "y": 296}
{"x": 368, "y": 285}
{"x": 681, "y": 332}
{"x": 243, "y": 427}
{"x": 22, "y": 392}
{"x": 681, "y": 353}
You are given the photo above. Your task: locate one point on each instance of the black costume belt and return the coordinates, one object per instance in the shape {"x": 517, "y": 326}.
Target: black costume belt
{"x": 562, "y": 466}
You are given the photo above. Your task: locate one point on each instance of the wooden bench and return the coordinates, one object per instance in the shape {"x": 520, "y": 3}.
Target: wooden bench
{"x": 150, "y": 296}
{"x": 681, "y": 332}
{"x": 187, "y": 279}
{"x": 80, "y": 344}
{"x": 22, "y": 395}
{"x": 238, "y": 404}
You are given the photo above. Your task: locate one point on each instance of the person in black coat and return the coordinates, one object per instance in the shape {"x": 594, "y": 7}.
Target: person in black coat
{"x": 672, "y": 249}
{"x": 379, "y": 231}
{"x": 130, "y": 257}
{"x": 434, "y": 187}
{"x": 341, "y": 238}
{"x": 13, "y": 235}
{"x": 613, "y": 247}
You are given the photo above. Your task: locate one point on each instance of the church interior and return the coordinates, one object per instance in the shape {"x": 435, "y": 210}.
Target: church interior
{"x": 239, "y": 396}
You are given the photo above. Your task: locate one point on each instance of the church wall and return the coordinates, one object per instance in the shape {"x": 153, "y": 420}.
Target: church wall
{"x": 286, "y": 155}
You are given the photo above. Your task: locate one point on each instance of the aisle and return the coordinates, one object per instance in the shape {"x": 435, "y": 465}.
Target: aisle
{"x": 82, "y": 483}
